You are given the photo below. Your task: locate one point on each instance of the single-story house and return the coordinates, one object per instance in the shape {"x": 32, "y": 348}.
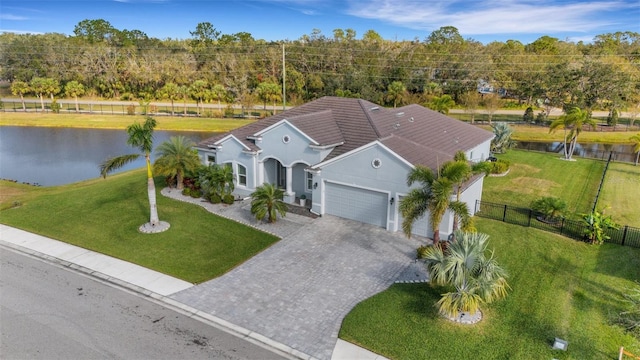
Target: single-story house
{"x": 349, "y": 157}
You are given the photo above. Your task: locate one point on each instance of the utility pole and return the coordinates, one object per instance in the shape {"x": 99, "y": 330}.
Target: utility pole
{"x": 284, "y": 81}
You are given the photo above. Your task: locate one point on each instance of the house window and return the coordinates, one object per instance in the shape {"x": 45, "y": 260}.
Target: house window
{"x": 242, "y": 175}
{"x": 286, "y": 139}
{"x": 309, "y": 181}
{"x": 376, "y": 163}
{"x": 211, "y": 159}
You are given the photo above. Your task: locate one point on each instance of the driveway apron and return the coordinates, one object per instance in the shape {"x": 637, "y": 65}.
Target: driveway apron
{"x": 298, "y": 291}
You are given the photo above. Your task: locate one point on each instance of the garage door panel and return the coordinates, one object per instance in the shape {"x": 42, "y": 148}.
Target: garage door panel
{"x": 358, "y": 204}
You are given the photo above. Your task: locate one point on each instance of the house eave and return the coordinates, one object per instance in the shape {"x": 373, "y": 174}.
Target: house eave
{"x": 325, "y": 147}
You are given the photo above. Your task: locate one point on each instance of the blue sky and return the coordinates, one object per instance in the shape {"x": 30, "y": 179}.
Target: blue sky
{"x": 482, "y": 20}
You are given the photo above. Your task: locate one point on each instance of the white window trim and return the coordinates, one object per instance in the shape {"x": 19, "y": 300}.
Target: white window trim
{"x": 241, "y": 175}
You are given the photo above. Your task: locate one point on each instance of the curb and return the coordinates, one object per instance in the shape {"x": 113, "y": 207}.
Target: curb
{"x": 221, "y": 324}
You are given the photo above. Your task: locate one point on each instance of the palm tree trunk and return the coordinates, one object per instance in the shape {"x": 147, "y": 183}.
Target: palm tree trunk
{"x": 637, "y": 156}
{"x": 151, "y": 190}
{"x": 42, "y": 101}
{"x": 77, "y": 106}
{"x": 24, "y": 108}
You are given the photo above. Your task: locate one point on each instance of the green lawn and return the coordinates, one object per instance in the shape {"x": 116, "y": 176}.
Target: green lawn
{"x": 560, "y": 288}
{"x": 621, "y": 193}
{"x": 104, "y": 215}
{"x": 534, "y": 175}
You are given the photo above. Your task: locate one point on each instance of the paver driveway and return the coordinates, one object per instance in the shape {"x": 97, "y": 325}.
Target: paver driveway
{"x": 298, "y": 291}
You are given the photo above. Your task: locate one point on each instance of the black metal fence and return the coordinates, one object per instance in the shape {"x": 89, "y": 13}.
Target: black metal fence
{"x": 575, "y": 229}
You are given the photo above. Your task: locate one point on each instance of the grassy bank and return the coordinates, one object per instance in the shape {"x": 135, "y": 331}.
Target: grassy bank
{"x": 104, "y": 215}
{"x": 534, "y": 175}
{"x": 560, "y": 288}
{"x": 118, "y": 121}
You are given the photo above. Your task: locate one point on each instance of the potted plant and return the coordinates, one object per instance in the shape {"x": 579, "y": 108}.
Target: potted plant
{"x": 303, "y": 200}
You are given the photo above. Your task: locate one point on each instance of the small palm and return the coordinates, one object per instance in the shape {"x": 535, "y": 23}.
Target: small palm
{"x": 267, "y": 202}
{"x": 476, "y": 279}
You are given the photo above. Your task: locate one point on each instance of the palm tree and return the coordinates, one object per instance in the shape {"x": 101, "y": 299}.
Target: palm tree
{"x": 502, "y": 140}
{"x": 396, "y": 92}
{"x": 476, "y": 279}
{"x": 636, "y": 146}
{"x": 572, "y": 122}
{"x": 267, "y": 202}
{"x": 175, "y": 157}
{"x": 140, "y": 136}
{"x": 20, "y": 88}
{"x": 74, "y": 89}
{"x": 442, "y": 104}
{"x": 435, "y": 196}
{"x": 216, "y": 179}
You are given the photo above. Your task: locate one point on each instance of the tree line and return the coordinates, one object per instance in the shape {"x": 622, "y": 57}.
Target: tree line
{"x": 443, "y": 69}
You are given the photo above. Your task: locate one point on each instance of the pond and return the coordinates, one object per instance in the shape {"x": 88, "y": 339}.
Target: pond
{"x": 56, "y": 156}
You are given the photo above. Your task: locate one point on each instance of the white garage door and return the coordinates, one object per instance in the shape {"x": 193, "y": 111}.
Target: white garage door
{"x": 421, "y": 227}
{"x": 353, "y": 203}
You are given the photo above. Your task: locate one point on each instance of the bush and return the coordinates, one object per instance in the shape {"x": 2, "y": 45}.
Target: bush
{"x": 499, "y": 167}
{"x": 215, "y": 198}
{"x": 131, "y": 109}
{"x": 196, "y": 194}
{"x": 550, "y": 207}
{"x": 55, "y": 106}
{"x": 528, "y": 115}
{"x": 186, "y": 191}
{"x": 228, "y": 199}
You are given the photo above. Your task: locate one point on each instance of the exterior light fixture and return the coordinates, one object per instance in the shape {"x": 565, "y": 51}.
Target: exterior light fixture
{"x": 559, "y": 344}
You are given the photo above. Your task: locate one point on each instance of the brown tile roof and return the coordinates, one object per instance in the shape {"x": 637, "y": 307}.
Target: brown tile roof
{"x": 419, "y": 135}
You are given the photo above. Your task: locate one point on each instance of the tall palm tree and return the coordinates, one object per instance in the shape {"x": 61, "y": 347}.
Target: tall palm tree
{"x": 636, "y": 146}
{"x": 267, "y": 202}
{"x": 434, "y": 196}
{"x": 572, "y": 122}
{"x": 476, "y": 279}
{"x": 140, "y": 136}
{"x": 175, "y": 157}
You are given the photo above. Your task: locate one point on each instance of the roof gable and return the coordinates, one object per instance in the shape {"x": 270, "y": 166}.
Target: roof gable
{"x": 286, "y": 123}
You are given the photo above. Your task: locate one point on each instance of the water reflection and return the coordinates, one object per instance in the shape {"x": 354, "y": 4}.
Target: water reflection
{"x": 55, "y": 156}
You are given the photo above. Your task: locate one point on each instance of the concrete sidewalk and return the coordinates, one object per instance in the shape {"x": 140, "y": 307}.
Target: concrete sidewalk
{"x": 149, "y": 283}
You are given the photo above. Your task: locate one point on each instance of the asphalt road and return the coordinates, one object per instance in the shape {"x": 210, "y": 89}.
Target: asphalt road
{"x": 49, "y": 312}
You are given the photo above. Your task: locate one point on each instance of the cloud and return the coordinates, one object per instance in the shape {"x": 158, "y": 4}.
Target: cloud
{"x": 12, "y": 17}
{"x": 20, "y": 32}
{"x": 492, "y": 16}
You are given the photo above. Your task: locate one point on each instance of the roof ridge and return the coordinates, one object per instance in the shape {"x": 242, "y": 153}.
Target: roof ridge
{"x": 369, "y": 119}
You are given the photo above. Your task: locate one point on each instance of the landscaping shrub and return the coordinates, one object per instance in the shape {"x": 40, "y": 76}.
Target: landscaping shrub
{"x": 195, "y": 193}
{"x": 500, "y": 166}
{"x": 186, "y": 191}
{"x": 550, "y": 207}
{"x": 228, "y": 199}
{"x": 215, "y": 198}
{"x": 55, "y": 106}
{"x": 131, "y": 109}
{"x": 528, "y": 115}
